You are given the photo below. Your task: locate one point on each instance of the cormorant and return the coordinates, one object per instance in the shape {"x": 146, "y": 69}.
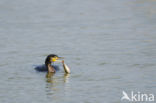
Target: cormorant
{"x": 48, "y": 66}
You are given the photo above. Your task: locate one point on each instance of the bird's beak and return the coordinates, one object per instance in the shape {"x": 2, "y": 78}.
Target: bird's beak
{"x": 59, "y": 59}
{"x": 56, "y": 59}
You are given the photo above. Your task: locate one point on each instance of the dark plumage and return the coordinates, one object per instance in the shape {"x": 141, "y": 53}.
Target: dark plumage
{"x": 48, "y": 61}
{"x": 43, "y": 68}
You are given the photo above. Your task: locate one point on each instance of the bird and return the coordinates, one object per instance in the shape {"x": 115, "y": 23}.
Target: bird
{"x": 48, "y": 65}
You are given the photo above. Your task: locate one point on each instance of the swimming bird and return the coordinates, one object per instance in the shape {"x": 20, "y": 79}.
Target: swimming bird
{"x": 48, "y": 66}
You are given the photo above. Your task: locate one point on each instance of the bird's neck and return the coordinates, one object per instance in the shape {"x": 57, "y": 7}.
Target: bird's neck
{"x": 50, "y": 68}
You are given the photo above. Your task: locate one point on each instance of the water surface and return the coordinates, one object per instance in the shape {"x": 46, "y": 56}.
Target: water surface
{"x": 110, "y": 46}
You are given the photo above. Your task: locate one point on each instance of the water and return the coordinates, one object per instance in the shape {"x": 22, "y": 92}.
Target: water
{"x": 110, "y": 46}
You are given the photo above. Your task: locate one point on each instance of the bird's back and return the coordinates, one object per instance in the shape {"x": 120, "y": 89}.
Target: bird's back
{"x": 43, "y": 68}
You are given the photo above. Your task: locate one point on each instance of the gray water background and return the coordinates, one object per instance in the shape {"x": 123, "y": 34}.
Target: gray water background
{"x": 110, "y": 46}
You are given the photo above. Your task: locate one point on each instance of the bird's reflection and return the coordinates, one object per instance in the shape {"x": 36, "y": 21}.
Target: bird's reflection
{"x": 66, "y": 78}
{"x": 57, "y": 85}
{"x": 51, "y": 79}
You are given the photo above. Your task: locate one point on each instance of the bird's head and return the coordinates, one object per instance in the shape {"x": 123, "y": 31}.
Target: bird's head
{"x": 52, "y": 58}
